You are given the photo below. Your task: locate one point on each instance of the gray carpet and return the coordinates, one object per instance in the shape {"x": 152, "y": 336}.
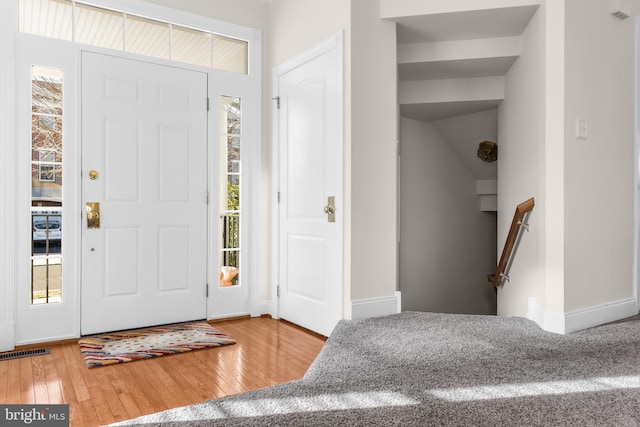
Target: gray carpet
{"x": 427, "y": 369}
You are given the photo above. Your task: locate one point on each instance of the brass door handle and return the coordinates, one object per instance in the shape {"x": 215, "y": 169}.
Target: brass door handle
{"x": 93, "y": 214}
{"x": 329, "y": 209}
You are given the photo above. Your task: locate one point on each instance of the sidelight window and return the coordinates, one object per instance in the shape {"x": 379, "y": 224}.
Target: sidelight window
{"x": 230, "y": 155}
{"x": 46, "y": 185}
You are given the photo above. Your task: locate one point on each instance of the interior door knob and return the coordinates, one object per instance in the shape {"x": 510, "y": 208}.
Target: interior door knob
{"x": 330, "y": 209}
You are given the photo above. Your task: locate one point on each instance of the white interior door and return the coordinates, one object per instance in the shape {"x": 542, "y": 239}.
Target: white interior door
{"x": 310, "y": 172}
{"x": 144, "y": 160}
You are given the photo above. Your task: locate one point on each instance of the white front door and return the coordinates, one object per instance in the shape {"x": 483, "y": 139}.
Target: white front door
{"x": 144, "y": 160}
{"x": 310, "y": 172}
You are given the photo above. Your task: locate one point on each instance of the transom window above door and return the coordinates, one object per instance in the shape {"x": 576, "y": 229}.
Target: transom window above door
{"x": 113, "y": 29}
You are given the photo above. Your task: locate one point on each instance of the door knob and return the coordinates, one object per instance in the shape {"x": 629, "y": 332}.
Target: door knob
{"x": 330, "y": 209}
{"x": 93, "y": 214}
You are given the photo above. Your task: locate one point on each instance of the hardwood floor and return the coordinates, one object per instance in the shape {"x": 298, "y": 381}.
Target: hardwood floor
{"x": 267, "y": 352}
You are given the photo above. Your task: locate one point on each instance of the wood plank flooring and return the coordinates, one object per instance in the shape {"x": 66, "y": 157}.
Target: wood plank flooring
{"x": 267, "y": 352}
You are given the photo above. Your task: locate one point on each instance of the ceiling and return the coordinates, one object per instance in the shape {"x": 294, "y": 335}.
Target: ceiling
{"x": 462, "y": 124}
{"x": 466, "y": 25}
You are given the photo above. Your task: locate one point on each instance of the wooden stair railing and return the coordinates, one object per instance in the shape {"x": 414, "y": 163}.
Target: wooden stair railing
{"x": 516, "y": 225}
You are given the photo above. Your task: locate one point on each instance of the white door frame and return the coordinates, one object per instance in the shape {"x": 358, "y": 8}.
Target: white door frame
{"x": 10, "y": 205}
{"x": 302, "y": 58}
{"x": 8, "y": 191}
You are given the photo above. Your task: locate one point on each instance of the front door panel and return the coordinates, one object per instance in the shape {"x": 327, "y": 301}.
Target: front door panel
{"x": 144, "y": 161}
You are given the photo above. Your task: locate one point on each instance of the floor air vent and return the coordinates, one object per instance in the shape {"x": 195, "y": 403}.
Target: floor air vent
{"x": 24, "y": 353}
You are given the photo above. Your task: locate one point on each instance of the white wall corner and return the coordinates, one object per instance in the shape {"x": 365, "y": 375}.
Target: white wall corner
{"x": 553, "y": 322}
{"x": 548, "y": 321}
{"x": 375, "y": 307}
{"x": 7, "y": 336}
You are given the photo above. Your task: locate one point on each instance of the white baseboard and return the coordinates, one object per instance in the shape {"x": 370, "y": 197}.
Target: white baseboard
{"x": 565, "y": 323}
{"x": 229, "y": 315}
{"x": 374, "y": 307}
{"x": 594, "y": 316}
{"x": 257, "y": 310}
{"x": 7, "y": 336}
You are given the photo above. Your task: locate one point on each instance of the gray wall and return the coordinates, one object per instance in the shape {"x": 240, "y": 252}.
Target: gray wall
{"x": 599, "y": 172}
{"x": 525, "y": 116}
{"x": 576, "y": 266}
{"x": 374, "y": 134}
{"x": 447, "y": 246}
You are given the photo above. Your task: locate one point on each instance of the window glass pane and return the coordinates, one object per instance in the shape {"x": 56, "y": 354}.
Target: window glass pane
{"x": 230, "y": 224}
{"x": 190, "y": 46}
{"x": 110, "y": 29}
{"x": 49, "y": 18}
{"x": 147, "y": 37}
{"x": 229, "y": 271}
{"x": 46, "y": 135}
{"x": 233, "y": 154}
{"x": 233, "y": 193}
{"x": 231, "y": 115}
{"x": 230, "y": 154}
{"x": 230, "y": 54}
{"x": 99, "y": 27}
{"x": 46, "y": 188}
{"x": 47, "y": 165}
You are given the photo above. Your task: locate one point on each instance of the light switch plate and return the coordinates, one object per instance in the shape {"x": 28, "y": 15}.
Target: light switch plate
{"x": 581, "y": 129}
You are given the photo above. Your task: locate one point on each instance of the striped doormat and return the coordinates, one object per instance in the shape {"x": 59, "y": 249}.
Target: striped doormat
{"x": 127, "y": 346}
